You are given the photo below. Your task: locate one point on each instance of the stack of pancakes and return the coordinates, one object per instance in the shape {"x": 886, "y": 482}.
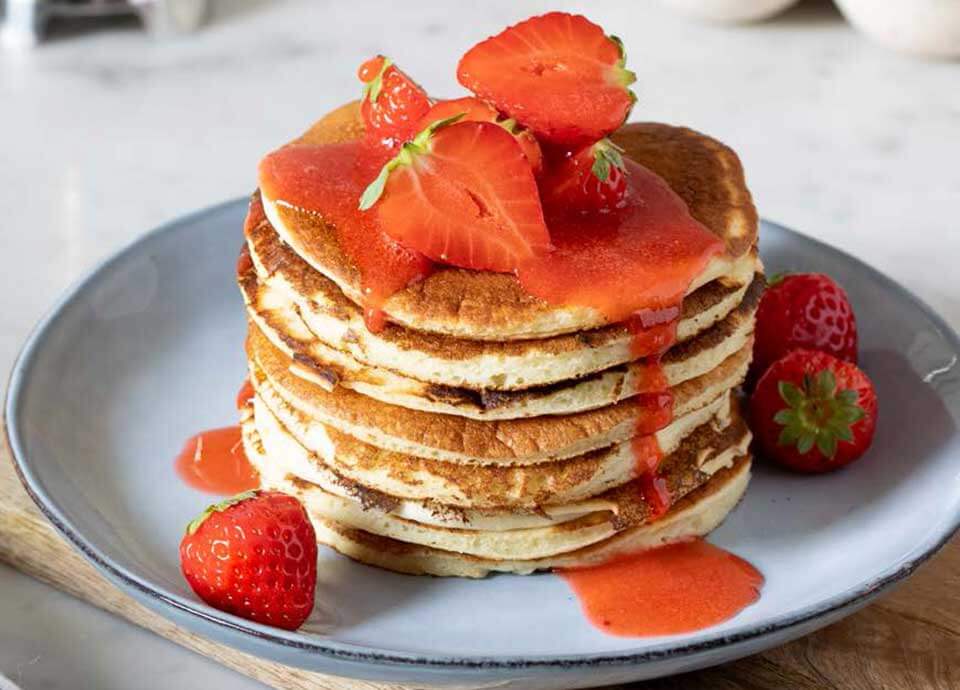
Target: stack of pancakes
{"x": 483, "y": 429}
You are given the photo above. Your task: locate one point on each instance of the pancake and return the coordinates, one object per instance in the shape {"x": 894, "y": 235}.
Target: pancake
{"x": 459, "y": 439}
{"x": 405, "y": 476}
{"x": 444, "y": 361}
{"x": 480, "y": 305}
{"x": 495, "y": 537}
{"x": 698, "y": 514}
{"x": 315, "y": 361}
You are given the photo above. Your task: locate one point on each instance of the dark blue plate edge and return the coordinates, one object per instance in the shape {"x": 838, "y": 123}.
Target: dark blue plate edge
{"x": 849, "y": 600}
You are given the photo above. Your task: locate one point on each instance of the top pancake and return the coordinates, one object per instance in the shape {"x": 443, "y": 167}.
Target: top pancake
{"x": 493, "y": 306}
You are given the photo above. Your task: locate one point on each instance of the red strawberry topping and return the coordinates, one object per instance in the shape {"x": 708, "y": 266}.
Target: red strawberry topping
{"x": 591, "y": 179}
{"x": 558, "y": 74}
{"x": 474, "y": 109}
{"x": 469, "y": 107}
{"x": 462, "y": 193}
{"x": 807, "y": 310}
{"x": 392, "y": 102}
{"x": 812, "y": 412}
{"x": 255, "y": 556}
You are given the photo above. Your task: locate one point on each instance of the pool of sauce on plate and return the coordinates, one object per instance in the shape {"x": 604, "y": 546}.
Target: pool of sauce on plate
{"x": 214, "y": 461}
{"x": 677, "y": 588}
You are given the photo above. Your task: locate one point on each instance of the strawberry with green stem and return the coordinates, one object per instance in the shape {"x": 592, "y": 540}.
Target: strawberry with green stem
{"x": 589, "y": 180}
{"x": 813, "y": 412}
{"x": 254, "y": 555}
{"x": 392, "y": 102}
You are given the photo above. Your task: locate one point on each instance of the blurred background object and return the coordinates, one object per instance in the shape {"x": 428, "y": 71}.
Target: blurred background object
{"x": 922, "y": 27}
{"x": 730, "y": 11}
{"x": 25, "y": 21}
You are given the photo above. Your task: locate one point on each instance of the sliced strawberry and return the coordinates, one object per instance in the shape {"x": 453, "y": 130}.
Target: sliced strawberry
{"x": 474, "y": 109}
{"x": 392, "y": 102}
{"x": 462, "y": 193}
{"x": 588, "y": 180}
{"x": 470, "y": 108}
{"x": 558, "y": 74}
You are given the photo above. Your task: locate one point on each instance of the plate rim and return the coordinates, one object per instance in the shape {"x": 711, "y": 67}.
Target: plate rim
{"x": 348, "y": 652}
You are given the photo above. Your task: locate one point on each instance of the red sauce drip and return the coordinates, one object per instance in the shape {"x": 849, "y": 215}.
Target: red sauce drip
{"x": 213, "y": 461}
{"x": 653, "y": 331}
{"x": 646, "y": 453}
{"x": 655, "y": 411}
{"x": 639, "y": 257}
{"x": 646, "y": 449}
{"x": 656, "y": 494}
{"x": 673, "y": 589}
{"x": 245, "y": 394}
{"x": 329, "y": 179}
{"x": 653, "y": 488}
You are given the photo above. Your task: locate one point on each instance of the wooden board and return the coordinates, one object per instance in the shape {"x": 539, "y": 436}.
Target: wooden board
{"x": 910, "y": 639}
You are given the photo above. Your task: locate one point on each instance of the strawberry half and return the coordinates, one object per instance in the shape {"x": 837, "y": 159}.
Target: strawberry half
{"x": 475, "y": 110}
{"x": 558, "y": 74}
{"x": 462, "y": 193}
{"x": 472, "y": 109}
{"x": 392, "y": 102}
{"x": 808, "y": 310}
{"x": 591, "y": 179}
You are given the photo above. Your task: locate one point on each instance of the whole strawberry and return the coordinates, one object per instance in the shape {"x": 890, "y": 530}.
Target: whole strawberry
{"x": 806, "y": 310}
{"x": 812, "y": 412}
{"x": 392, "y": 102}
{"x": 589, "y": 180}
{"x": 255, "y": 556}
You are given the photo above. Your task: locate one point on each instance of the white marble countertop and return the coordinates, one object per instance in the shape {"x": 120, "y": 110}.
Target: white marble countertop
{"x": 107, "y": 134}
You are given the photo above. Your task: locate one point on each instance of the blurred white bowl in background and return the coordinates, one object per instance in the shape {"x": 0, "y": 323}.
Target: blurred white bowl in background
{"x": 925, "y": 27}
{"x": 731, "y": 11}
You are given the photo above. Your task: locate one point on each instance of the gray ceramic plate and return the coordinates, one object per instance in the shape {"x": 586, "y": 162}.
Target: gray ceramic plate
{"x": 147, "y": 350}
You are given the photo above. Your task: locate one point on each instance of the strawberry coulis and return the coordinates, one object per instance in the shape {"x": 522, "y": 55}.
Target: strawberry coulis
{"x": 668, "y": 590}
{"x": 213, "y": 461}
{"x": 245, "y": 395}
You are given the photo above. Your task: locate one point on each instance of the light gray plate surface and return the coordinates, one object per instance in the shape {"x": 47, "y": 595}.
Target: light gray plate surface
{"x": 147, "y": 351}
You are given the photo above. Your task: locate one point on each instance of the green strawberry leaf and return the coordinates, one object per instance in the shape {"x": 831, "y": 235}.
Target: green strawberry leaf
{"x": 219, "y": 508}
{"x": 420, "y": 145}
{"x": 791, "y": 395}
{"x": 817, "y": 414}
{"x": 606, "y": 155}
{"x": 778, "y": 278}
{"x": 374, "y": 190}
{"x": 626, "y": 77}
